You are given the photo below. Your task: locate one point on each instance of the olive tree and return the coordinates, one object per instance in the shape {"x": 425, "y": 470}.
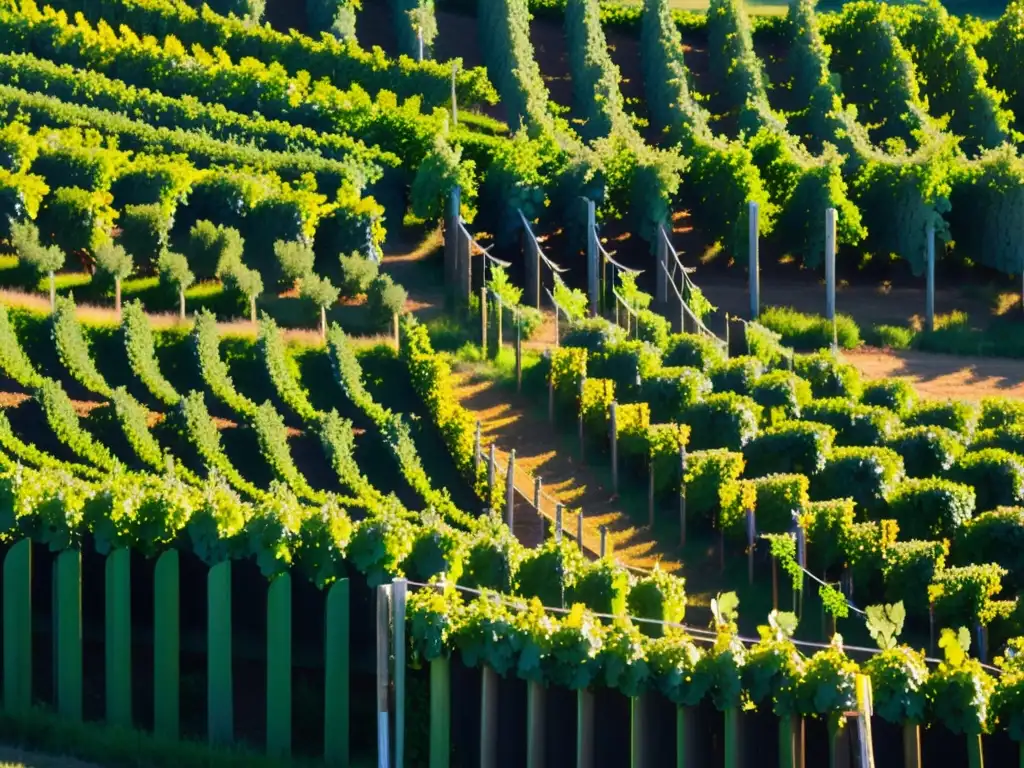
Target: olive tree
{"x": 294, "y": 259}
{"x": 34, "y": 258}
{"x": 113, "y": 264}
{"x": 175, "y": 274}
{"x": 245, "y": 283}
{"x": 321, "y": 293}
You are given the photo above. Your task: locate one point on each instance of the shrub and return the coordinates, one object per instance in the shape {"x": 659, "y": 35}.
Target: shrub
{"x": 926, "y": 451}
{"x": 855, "y": 424}
{"x": 549, "y": 571}
{"x": 792, "y": 446}
{"x": 828, "y": 376}
{"x": 213, "y": 250}
{"x": 959, "y": 416}
{"x": 737, "y": 374}
{"x": 653, "y": 328}
{"x": 385, "y": 299}
{"x": 810, "y": 332}
{"x": 996, "y": 475}
{"x": 568, "y": 368}
{"x": 659, "y": 597}
{"x": 74, "y": 220}
{"x": 994, "y": 537}
{"x": 357, "y": 272}
{"x": 623, "y": 362}
{"x": 1009, "y": 438}
{"x": 335, "y": 16}
{"x": 706, "y": 473}
{"x": 782, "y": 394}
{"x": 963, "y": 595}
{"x": 145, "y": 233}
{"x": 827, "y": 526}
{"x": 932, "y": 507}
{"x": 907, "y": 570}
{"x": 595, "y": 399}
{"x": 779, "y": 499}
{"x": 530, "y": 320}
{"x": 320, "y": 293}
{"x": 601, "y": 586}
{"x": 765, "y": 345}
{"x": 693, "y": 350}
{"x": 672, "y": 390}
{"x": 867, "y": 475}
{"x": 593, "y": 334}
{"x": 1001, "y": 412}
{"x": 113, "y": 264}
{"x": 294, "y": 260}
{"x": 723, "y": 420}
{"x": 897, "y": 395}
{"x": 889, "y": 336}
{"x": 245, "y": 285}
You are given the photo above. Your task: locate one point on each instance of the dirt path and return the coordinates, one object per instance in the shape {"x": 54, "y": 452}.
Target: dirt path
{"x": 944, "y": 376}
{"x": 511, "y": 422}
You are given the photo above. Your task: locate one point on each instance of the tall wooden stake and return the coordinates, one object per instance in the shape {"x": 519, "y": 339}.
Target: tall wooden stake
{"x": 929, "y": 309}
{"x": 755, "y": 261}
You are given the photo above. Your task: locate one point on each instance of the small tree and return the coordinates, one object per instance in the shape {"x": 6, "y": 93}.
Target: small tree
{"x": 34, "y": 258}
{"x": 321, "y": 293}
{"x": 294, "y": 259}
{"x": 175, "y": 274}
{"x": 245, "y": 283}
{"x": 385, "y": 300}
{"x": 113, "y": 264}
{"x": 357, "y": 273}
{"x": 213, "y": 250}
{"x": 145, "y": 232}
{"x": 424, "y": 23}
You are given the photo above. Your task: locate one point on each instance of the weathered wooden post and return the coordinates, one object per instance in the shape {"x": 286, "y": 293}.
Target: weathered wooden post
{"x": 755, "y": 262}
{"x": 519, "y": 353}
{"x": 118, "y": 640}
{"x": 751, "y": 533}
{"x": 383, "y": 660}
{"x": 682, "y": 496}
{"x": 531, "y": 254}
{"x": 604, "y": 540}
{"x": 477, "y": 454}
{"x": 911, "y": 745}
{"x": 491, "y": 470}
{"x": 613, "y": 436}
{"x": 558, "y": 521}
{"x": 499, "y": 316}
{"x": 399, "y": 593}
{"x": 801, "y": 559}
{"x": 638, "y": 738}
{"x": 830, "y": 263}
{"x": 593, "y": 257}
{"x": 551, "y": 394}
{"x": 650, "y": 493}
{"x": 661, "y": 268}
{"x": 583, "y": 380}
{"x": 483, "y": 322}
{"x": 537, "y": 487}
{"x": 510, "y": 490}
{"x": 579, "y": 530}
{"x": 929, "y": 307}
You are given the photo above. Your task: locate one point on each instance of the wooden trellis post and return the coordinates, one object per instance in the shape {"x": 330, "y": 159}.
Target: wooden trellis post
{"x": 755, "y": 262}
{"x": 614, "y": 438}
{"x": 451, "y": 230}
{"x": 593, "y": 258}
{"x": 830, "y": 263}
{"x": 682, "y": 496}
{"x": 510, "y": 490}
{"x": 531, "y": 258}
{"x": 661, "y": 268}
{"x": 929, "y": 311}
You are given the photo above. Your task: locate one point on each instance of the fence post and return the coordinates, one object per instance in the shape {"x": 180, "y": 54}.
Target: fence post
{"x": 584, "y": 728}
{"x": 731, "y": 739}
{"x": 17, "y": 627}
{"x": 166, "y": 646}
{"x": 751, "y": 533}
{"x": 383, "y": 660}
{"x": 399, "y": 592}
{"x": 650, "y": 493}
{"x": 440, "y": 713}
{"x": 865, "y": 744}
{"x": 68, "y": 572}
{"x": 279, "y": 666}
{"x": 499, "y": 316}
{"x": 604, "y": 540}
{"x": 534, "y": 725}
{"x": 483, "y": 322}
{"x": 682, "y": 496}
{"x": 510, "y": 489}
{"x": 220, "y": 711}
{"x": 451, "y": 236}
{"x": 558, "y": 521}
{"x": 551, "y": 394}
{"x": 830, "y": 263}
{"x": 579, "y": 530}
{"x": 638, "y": 747}
{"x": 593, "y": 257}
{"x": 455, "y": 103}
{"x": 929, "y": 307}
{"x": 491, "y": 470}
{"x": 118, "y": 640}
{"x": 477, "y": 455}
{"x": 537, "y": 487}
{"x": 336, "y": 676}
{"x": 614, "y": 437}
{"x": 488, "y": 717}
{"x": 661, "y": 265}
{"x": 911, "y": 745}
{"x": 583, "y": 380}
{"x": 519, "y": 353}
{"x": 755, "y": 262}
{"x": 684, "y": 724}
{"x": 532, "y": 260}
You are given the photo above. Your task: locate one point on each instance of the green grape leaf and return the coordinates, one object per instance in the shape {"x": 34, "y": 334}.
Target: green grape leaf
{"x": 885, "y": 623}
